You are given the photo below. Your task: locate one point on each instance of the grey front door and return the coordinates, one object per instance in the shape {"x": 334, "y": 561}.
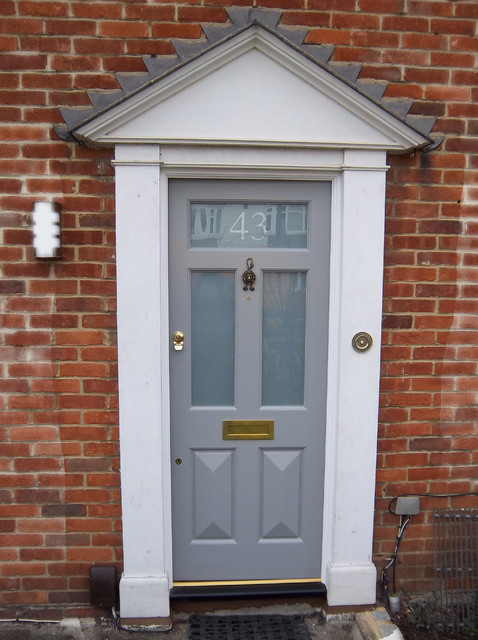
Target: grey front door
{"x": 248, "y": 381}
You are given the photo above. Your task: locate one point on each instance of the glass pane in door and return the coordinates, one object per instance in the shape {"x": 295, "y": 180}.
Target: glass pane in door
{"x": 248, "y": 225}
{"x": 212, "y": 338}
{"x": 283, "y": 337}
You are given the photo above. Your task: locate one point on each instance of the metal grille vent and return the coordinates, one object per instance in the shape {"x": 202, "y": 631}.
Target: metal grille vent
{"x": 456, "y": 567}
{"x": 261, "y": 627}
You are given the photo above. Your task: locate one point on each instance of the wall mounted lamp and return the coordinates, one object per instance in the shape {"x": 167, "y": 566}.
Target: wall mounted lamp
{"x": 46, "y": 230}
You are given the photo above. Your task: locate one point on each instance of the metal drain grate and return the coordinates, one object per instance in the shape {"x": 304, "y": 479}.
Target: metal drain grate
{"x": 456, "y": 567}
{"x": 261, "y": 627}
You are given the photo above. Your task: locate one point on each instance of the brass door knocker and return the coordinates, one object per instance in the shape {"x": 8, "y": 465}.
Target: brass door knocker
{"x": 249, "y": 277}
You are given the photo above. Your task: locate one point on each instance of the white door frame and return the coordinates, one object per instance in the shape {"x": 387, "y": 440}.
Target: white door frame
{"x": 357, "y": 236}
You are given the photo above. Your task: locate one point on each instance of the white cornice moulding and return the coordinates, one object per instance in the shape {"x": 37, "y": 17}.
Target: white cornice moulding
{"x": 306, "y": 164}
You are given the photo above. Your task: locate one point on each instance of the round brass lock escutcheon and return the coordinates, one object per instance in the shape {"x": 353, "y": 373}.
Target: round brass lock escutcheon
{"x": 362, "y": 341}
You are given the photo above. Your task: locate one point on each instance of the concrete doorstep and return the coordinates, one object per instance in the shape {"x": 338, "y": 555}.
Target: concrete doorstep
{"x": 368, "y": 625}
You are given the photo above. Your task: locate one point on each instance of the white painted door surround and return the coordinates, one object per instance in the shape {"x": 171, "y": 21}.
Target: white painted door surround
{"x": 308, "y": 125}
{"x": 142, "y": 176}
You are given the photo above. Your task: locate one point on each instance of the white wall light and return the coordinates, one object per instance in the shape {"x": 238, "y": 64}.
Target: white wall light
{"x": 46, "y": 229}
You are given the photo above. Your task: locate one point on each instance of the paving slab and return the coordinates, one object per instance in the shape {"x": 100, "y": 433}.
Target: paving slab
{"x": 376, "y": 625}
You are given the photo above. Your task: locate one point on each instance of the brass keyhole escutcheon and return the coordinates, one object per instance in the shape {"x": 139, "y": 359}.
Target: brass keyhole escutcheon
{"x": 362, "y": 341}
{"x": 178, "y": 340}
{"x": 178, "y": 461}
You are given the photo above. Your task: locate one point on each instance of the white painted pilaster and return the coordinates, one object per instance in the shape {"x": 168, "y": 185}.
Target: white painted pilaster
{"x": 350, "y": 573}
{"x": 144, "y": 586}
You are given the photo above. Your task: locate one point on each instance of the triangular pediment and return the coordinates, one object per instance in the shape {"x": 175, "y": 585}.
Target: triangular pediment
{"x": 252, "y": 89}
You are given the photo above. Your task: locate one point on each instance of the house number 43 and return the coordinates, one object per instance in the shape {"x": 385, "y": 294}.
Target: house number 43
{"x": 259, "y": 222}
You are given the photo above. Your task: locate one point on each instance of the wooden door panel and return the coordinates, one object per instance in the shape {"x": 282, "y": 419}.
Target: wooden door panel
{"x": 248, "y": 509}
{"x": 213, "y": 477}
{"x": 282, "y": 494}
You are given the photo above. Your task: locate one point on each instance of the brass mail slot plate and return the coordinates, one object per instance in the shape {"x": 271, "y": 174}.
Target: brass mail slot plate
{"x": 248, "y": 429}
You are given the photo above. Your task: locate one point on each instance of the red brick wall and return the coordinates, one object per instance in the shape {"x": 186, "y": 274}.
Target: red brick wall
{"x": 59, "y": 484}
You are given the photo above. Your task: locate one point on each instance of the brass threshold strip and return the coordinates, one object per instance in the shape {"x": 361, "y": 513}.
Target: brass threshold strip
{"x": 234, "y": 583}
